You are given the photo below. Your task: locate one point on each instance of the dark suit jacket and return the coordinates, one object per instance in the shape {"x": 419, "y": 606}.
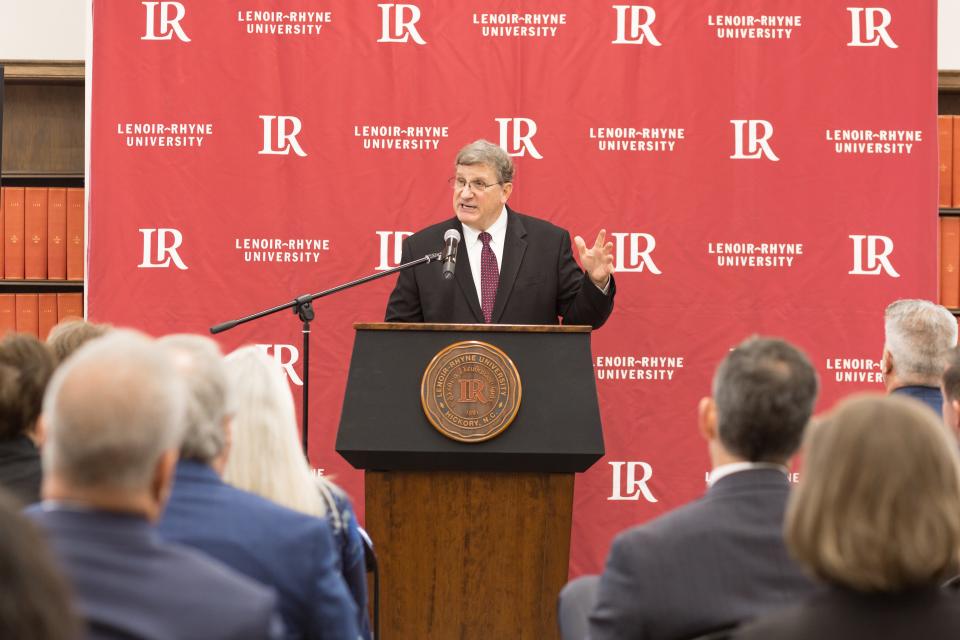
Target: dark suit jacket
{"x": 20, "y": 471}
{"x": 539, "y": 280}
{"x": 289, "y": 551}
{"x": 839, "y": 614}
{"x": 128, "y": 583}
{"x": 930, "y": 396}
{"x": 707, "y": 565}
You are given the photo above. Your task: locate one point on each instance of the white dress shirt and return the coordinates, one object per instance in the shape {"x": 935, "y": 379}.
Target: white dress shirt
{"x": 471, "y": 240}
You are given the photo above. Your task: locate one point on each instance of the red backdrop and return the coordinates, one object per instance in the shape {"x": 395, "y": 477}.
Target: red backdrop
{"x": 766, "y": 170}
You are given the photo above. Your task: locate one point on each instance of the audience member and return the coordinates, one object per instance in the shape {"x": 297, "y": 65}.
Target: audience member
{"x": 25, "y": 369}
{"x": 289, "y": 551}
{"x": 114, "y": 420}
{"x": 266, "y": 459}
{"x": 36, "y": 601}
{"x": 950, "y": 388}
{"x": 720, "y": 560}
{"x": 876, "y": 518}
{"x": 917, "y": 337}
{"x": 68, "y": 336}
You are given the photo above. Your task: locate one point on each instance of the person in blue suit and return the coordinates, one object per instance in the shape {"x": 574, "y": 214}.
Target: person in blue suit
{"x": 289, "y": 551}
{"x": 113, "y": 418}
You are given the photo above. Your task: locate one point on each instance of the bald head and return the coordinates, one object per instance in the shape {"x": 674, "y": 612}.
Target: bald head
{"x": 111, "y": 411}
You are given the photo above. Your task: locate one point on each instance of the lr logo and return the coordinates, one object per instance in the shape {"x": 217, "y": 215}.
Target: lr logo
{"x": 285, "y": 355}
{"x": 872, "y": 22}
{"x": 395, "y": 27}
{"x": 522, "y": 136}
{"x": 878, "y": 248}
{"x": 163, "y": 21}
{"x": 638, "y": 19}
{"x": 627, "y": 478}
{"x": 472, "y": 390}
{"x": 757, "y": 145}
{"x": 280, "y": 136}
{"x": 391, "y": 240}
{"x": 160, "y": 253}
{"x": 633, "y": 258}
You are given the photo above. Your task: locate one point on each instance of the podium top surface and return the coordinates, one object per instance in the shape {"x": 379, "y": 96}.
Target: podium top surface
{"x": 436, "y": 326}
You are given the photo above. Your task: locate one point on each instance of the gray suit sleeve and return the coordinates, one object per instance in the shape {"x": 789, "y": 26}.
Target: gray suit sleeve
{"x": 618, "y": 614}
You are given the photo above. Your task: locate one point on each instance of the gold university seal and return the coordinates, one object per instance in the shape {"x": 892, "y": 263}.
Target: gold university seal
{"x": 470, "y": 391}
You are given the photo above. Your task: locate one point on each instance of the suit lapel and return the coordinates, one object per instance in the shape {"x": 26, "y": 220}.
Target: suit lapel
{"x": 464, "y": 277}
{"x": 514, "y": 246}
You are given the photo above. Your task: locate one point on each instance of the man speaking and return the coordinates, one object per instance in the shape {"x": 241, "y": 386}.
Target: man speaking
{"x": 509, "y": 268}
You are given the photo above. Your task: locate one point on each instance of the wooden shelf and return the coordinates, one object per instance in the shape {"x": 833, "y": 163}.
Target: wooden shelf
{"x": 41, "y": 286}
{"x": 44, "y": 71}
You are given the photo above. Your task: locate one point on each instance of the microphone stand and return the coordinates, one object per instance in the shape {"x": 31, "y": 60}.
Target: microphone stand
{"x": 303, "y": 308}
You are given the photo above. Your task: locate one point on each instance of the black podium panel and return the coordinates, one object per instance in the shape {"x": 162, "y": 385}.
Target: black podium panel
{"x": 557, "y": 427}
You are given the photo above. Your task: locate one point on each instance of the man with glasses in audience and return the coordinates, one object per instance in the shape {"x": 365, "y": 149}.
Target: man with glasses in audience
{"x": 511, "y": 268}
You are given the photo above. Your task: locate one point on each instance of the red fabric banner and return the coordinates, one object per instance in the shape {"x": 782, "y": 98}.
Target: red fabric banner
{"x": 768, "y": 167}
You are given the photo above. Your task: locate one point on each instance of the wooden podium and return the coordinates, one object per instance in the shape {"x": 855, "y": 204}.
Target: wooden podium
{"x": 472, "y": 538}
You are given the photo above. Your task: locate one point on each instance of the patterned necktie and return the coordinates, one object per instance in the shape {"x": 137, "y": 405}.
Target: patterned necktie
{"x": 489, "y": 276}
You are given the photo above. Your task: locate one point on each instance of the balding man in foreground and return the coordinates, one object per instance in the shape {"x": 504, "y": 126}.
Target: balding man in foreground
{"x": 113, "y": 417}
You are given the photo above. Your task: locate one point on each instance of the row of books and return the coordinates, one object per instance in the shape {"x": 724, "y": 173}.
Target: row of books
{"x": 37, "y": 313}
{"x": 949, "y": 136}
{"x": 43, "y": 233}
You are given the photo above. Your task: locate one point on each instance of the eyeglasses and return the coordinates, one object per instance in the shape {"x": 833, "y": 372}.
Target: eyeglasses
{"x": 476, "y": 186}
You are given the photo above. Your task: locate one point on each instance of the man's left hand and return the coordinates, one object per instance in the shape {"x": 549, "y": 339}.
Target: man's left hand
{"x": 597, "y": 261}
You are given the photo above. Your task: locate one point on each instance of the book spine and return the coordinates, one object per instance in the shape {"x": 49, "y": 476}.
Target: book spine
{"x": 28, "y": 314}
{"x": 35, "y": 233}
{"x": 57, "y": 234}
{"x": 945, "y": 131}
{"x": 13, "y": 233}
{"x": 8, "y": 313}
{"x": 47, "y": 314}
{"x": 950, "y": 262}
{"x": 956, "y": 161}
{"x": 69, "y": 306}
{"x": 75, "y": 239}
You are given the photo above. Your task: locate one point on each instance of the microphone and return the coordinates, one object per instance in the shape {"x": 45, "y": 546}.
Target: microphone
{"x": 450, "y": 241}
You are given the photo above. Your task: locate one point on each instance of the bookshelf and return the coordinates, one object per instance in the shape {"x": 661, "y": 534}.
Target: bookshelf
{"x": 42, "y": 106}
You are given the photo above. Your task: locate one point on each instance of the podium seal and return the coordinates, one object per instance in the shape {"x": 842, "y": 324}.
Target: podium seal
{"x": 470, "y": 391}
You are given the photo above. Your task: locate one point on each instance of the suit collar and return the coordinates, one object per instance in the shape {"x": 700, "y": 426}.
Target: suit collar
{"x": 195, "y": 471}
{"x": 514, "y": 246}
{"x": 750, "y": 479}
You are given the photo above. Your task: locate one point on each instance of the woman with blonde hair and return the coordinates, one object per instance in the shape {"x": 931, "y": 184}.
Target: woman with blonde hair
{"x": 876, "y": 518}
{"x": 266, "y": 459}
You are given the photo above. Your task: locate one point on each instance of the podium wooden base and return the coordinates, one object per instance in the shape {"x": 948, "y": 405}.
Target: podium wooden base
{"x": 469, "y": 554}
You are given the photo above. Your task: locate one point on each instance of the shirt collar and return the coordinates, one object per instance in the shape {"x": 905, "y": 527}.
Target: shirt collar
{"x": 734, "y": 467}
{"x": 497, "y": 230}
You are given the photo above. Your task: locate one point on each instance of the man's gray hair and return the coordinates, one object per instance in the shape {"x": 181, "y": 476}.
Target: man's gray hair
{"x": 210, "y": 401}
{"x": 485, "y": 152}
{"x": 764, "y": 392}
{"x": 111, "y": 411}
{"x": 919, "y": 335}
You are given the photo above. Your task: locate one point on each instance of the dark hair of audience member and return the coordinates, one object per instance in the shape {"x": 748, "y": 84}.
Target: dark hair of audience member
{"x": 766, "y": 383}
{"x": 36, "y": 599}
{"x": 67, "y": 337}
{"x": 26, "y": 365}
{"x": 877, "y": 508}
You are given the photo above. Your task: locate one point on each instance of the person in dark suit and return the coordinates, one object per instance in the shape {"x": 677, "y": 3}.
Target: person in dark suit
{"x": 875, "y": 518}
{"x": 950, "y": 389}
{"x": 510, "y": 268}
{"x": 918, "y": 335}
{"x": 721, "y": 559}
{"x": 113, "y": 418}
{"x": 289, "y": 551}
{"x": 26, "y": 365}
